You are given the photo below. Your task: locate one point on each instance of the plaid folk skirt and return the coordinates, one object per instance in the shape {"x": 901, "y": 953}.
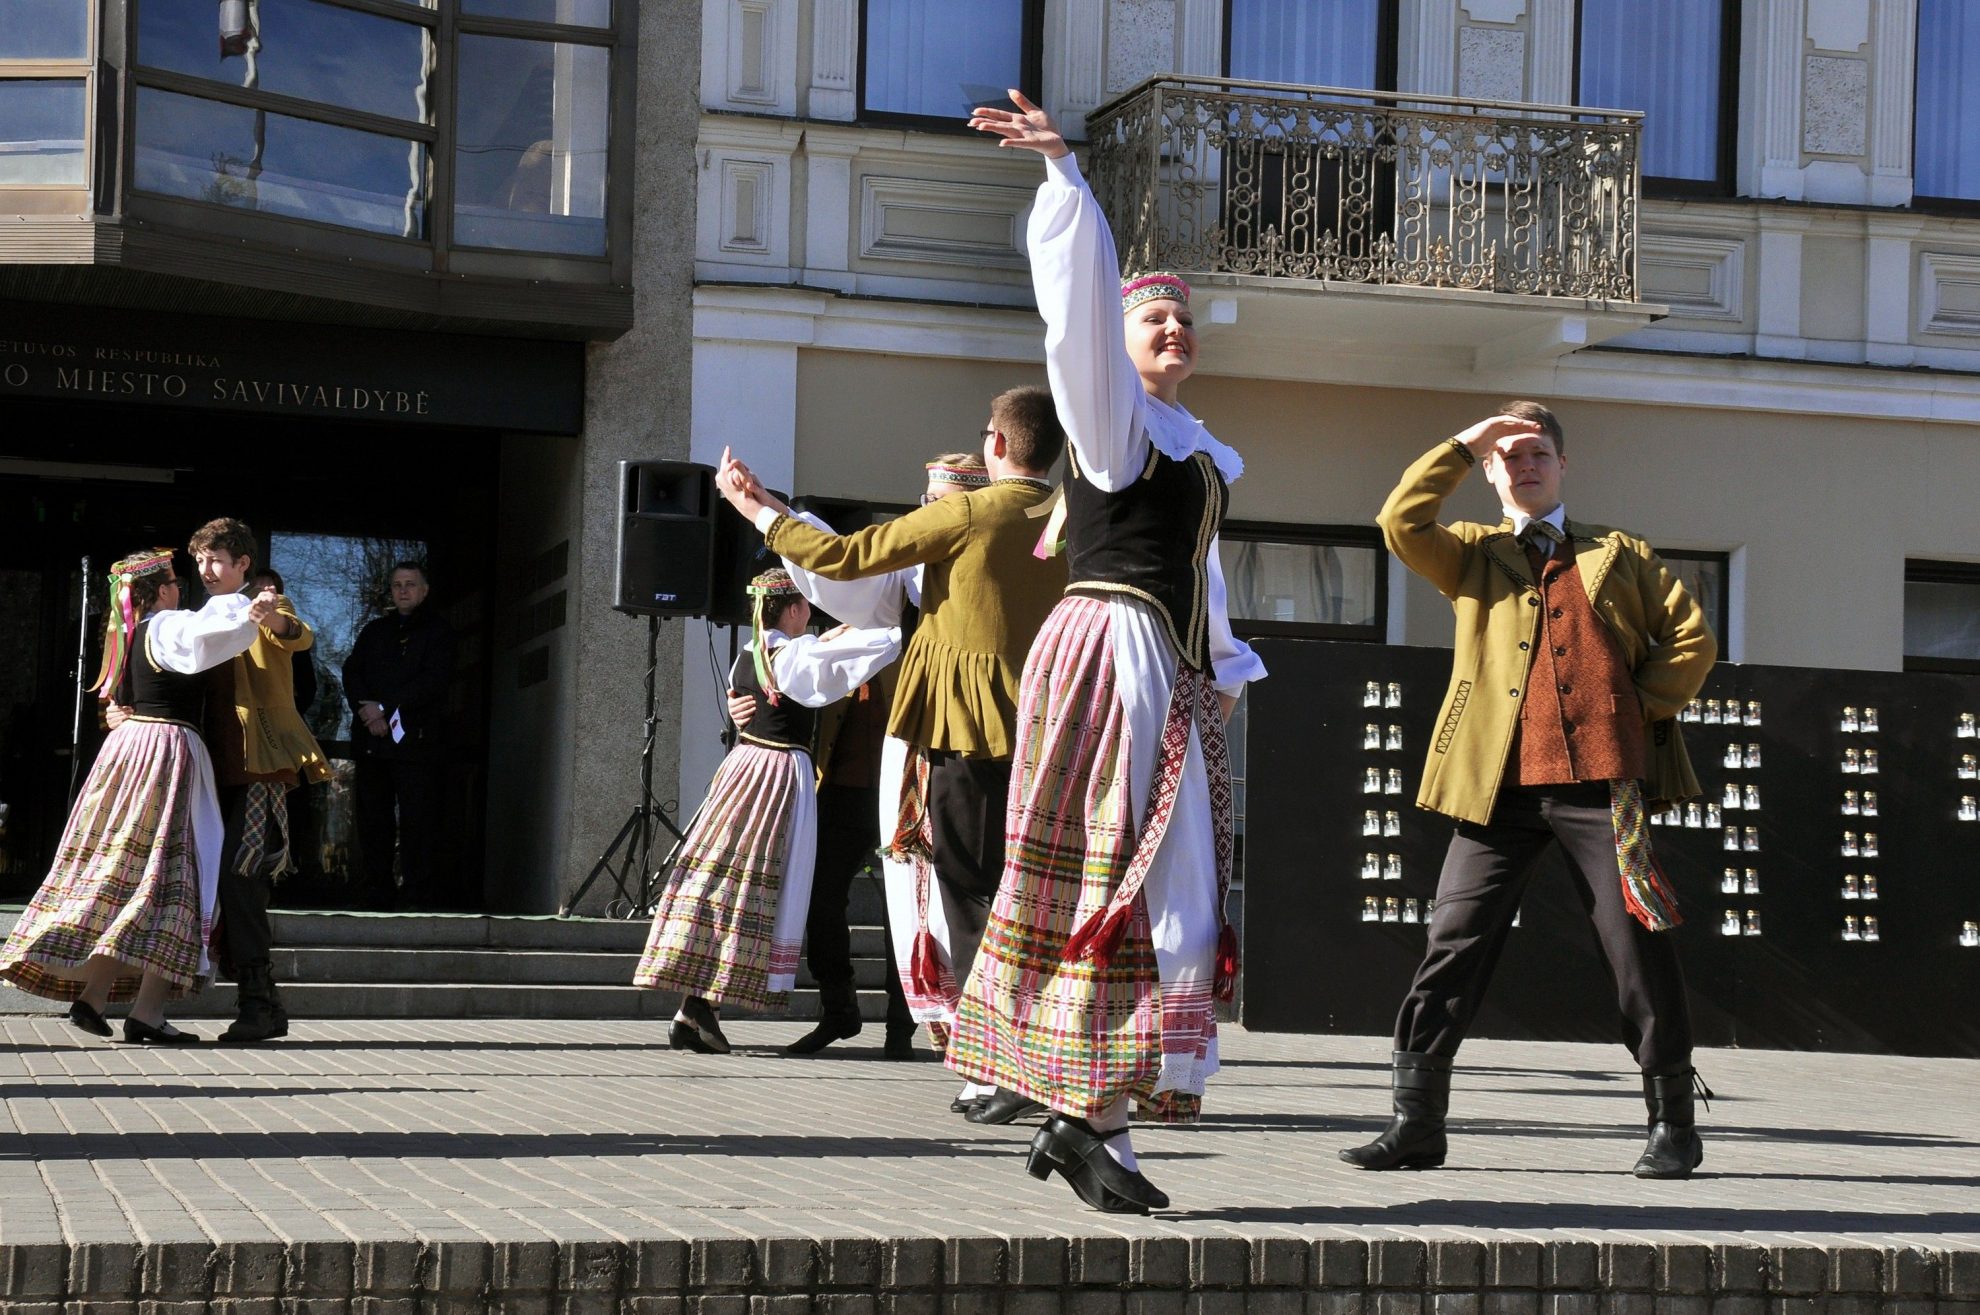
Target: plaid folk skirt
{"x": 730, "y": 920}
{"x": 135, "y": 875}
{"x": 1043, "y": 1014}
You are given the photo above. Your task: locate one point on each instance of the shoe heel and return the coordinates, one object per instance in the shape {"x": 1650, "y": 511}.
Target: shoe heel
{"x": 1039, "y": 1165}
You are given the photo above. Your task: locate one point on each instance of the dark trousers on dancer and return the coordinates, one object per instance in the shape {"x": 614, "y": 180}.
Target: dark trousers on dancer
{"x": 966, "y": 800}
{"x": 848, "y": 836}
{"x": 246, "y": 936}
{"x": 1485, "y": 873}
{"x": 398, "y": 807}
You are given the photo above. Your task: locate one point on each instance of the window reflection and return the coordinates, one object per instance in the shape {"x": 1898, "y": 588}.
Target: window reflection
{"x": 529, "y": 162}
{"x": 577, "y": 13}
{"x": 941, "y": 59}
{"x": 298, "y": 48}
{"x": 337, "y": 583}
{"x": 256, "y": 160}
{"x": 43, "y": 29}
{"x": 42, "y": 123}
{"x": 1317, "y": 583}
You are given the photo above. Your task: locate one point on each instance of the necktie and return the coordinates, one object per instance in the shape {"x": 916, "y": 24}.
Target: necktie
{"x": 1541, "y": 536}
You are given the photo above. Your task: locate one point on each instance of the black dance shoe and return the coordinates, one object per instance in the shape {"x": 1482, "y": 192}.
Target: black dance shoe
{"x": 84, "y": 1017}
{"x": 700, "y": 1016}
{"x": 899, "y": 1045}
{"x": 1079, "y": 1154}
{"x": 682, "y": 1037}
{"x": 144, "y": 1034}
{"x": 831, "y": 1027}
{"x": 1002, "y": 1106}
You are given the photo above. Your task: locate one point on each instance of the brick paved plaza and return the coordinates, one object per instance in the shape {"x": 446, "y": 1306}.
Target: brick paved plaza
{"x": 535, "y": 1161}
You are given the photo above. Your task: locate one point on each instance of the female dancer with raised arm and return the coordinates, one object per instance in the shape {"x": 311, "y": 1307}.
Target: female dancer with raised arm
{"x": 127, "y": 911}
{"x": 1094, "y": 985}
{"x": 729, "y": 924}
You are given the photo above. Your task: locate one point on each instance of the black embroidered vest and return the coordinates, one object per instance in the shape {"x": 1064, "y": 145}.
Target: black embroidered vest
{"x": 1151, "y": 539}
{"x": 785, "y": 724}
{"x": 150, "y": 691}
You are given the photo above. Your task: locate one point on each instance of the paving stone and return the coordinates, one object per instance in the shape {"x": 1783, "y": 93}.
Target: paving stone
{"x": 1036, "y": 1262}
{"x": 1219, "y": 1262}
{"x": 1159, "y": 1262}
{"x": 1340, "y": 1262}
{"x": 1456, "y": 1265}
{"x": 1104, "y": 1260}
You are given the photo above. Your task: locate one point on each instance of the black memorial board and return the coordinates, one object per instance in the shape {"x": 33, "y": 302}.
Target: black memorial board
{"x": 1769, "y": 955}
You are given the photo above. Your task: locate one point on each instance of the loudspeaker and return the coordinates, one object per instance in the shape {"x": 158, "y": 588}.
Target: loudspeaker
{"x": 667, "y": 512}
{"x": 739, "y": 555}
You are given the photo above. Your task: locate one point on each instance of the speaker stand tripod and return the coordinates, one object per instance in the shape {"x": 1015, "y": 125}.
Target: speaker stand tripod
{"x": 628, "y": 858}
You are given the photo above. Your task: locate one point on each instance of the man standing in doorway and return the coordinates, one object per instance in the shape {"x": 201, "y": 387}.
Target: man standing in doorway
{"x": 396, "y": 680}
{"x": 261, "y": 750}
{"x": 1576, "y": 649}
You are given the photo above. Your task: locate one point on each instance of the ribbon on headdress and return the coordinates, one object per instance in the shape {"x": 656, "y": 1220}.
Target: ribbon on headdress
{"x": 773, "y": 583}
{"x": 122, "y": 622}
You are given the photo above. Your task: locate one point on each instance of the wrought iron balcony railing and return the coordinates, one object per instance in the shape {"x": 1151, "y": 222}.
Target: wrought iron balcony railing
{"x": 1399, "y": 189}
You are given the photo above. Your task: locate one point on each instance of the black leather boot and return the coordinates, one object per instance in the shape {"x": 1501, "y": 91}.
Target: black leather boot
{"x": 1674, "y": 1148}
{"x": 1414, "y": 1139}
{"x": 255, "y": 992}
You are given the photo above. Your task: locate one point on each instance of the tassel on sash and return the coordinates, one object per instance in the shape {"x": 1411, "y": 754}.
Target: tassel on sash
{"x": 1646, "y": 891}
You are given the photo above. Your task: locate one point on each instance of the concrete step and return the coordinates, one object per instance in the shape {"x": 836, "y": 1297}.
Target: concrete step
{"x": 365, "y": 965}
{"x": 307, "y": 1000}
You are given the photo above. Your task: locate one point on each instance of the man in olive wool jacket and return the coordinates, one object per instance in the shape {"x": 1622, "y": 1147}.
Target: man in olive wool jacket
{"x": 1576, "y": 648}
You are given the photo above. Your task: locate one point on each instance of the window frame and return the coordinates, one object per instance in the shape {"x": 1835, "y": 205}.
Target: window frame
{"x": 436, "y": 251}
{"x": 1928, "y": 570}
{"x": 1723, "y": 560}
{"x": 55, "y": 197}
{"x": 1940, "y": 205}
{"x": 1031, "y": 77}
{"x": 1726, "y": 183}
{"x": 1326, "y": 536}
{"x": 1388, "y": 46}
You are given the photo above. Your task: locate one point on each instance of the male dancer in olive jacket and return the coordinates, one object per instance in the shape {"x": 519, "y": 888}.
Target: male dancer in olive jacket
{"x": 984, "y": 596}
{"x": 1576, "y": 648}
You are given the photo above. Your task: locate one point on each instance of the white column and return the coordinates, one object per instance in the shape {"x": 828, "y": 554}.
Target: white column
{"x": 1770, "y": 100}
{"x": 1426, "y": 39}
{"x": 1777, "y": 318}
{"x": 1889, "y": 290}
{"x": 1893, "y": 85}
{"x": 1200, "y": 31}
{"x": 745, "y": 396}
{"x": 834, "y": 93}
{"x": 1551, "y": 71}
{"x": 1075, "y": 38}
{"x": 828, "y": 208}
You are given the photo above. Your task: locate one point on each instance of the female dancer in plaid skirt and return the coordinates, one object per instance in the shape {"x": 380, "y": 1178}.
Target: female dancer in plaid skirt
{"x": 1093, "y": 988}
{"x": 127, "y": 910}
{"x": 730, "y": 922}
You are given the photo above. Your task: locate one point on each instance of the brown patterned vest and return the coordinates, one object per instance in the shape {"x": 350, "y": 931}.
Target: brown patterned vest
{"x": 1581, "y": 719}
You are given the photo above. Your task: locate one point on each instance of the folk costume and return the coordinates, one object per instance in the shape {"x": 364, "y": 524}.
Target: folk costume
{"x": 261, "y": 750}
{"x": 730, "y": 921}
{"x": 136, "y": 873}
{"x": 1095, "y": 978}
{"x": 945, "y": 771}
{"x": 1576, "y": 648}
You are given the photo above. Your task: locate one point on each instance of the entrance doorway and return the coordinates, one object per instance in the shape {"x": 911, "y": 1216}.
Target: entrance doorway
{"x": 333, "y": 503}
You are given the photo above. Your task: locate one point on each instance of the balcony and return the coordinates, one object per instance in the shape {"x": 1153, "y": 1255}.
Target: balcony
{"x": 1471, "y": 234}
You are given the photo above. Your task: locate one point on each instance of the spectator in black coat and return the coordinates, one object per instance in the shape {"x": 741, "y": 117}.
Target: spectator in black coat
{"x": 396, "y": 680}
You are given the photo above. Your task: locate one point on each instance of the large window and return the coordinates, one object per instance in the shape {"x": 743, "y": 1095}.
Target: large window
{"x": 334, "y": 111}
{"x": 1706, "y": 576}
{"x": 1345, "y": 43}
{"x": 1945, "y": 151}
{"x": 44, "y": 93}
{"x": 1942, "y": 616}
{"x": 936, "y": 60}
{"x": 1312, "y": 582}
{"x": 1677, "y": 61}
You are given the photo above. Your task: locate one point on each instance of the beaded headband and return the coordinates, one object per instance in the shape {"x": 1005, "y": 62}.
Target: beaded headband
{"x": 1153, "y": 287}
{"x": 773, "y": 583}
{"x": 968, "y": 477}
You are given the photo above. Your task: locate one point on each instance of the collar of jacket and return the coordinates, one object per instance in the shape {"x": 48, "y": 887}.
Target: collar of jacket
{"x": 1595, "y": 550}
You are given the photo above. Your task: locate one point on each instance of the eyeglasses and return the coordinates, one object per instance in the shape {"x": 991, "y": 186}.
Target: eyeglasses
{"x": 986, "y": 433}
{"x": 927, "y": 498}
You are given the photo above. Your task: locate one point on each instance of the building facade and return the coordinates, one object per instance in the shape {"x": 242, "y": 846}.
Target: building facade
{"x": 384, "y": 278}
